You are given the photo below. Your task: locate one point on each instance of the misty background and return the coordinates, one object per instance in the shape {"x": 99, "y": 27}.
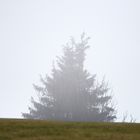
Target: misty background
{"x": 32, "y": 33}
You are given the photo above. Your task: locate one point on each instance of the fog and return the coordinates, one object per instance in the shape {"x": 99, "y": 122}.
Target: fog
{"x": 32, "y": 34}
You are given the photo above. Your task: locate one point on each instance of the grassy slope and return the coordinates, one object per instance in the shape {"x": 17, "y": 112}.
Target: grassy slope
{"x": 45, "y": 130}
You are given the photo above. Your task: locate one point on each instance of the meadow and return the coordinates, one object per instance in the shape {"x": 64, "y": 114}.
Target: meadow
{"x": 18, "y": 129}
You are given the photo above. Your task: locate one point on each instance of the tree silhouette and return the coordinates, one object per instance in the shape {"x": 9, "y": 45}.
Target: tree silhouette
{"x": 71, "y": 93}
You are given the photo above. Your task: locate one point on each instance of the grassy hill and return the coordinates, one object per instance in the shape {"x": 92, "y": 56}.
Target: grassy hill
{"x": 47, "y": 130}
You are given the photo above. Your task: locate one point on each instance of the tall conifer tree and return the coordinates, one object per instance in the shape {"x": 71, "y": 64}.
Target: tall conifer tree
{"x": 71, "y": 93}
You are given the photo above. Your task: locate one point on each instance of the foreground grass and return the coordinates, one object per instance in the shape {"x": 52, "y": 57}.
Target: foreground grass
{"x": 47, "y": 130}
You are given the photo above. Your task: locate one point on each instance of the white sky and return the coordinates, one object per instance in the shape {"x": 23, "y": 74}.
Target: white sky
{"x": 32, "y": 33}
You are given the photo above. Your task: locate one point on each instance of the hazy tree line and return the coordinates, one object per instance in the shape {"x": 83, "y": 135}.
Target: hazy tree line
{"x": 71, "y": 93}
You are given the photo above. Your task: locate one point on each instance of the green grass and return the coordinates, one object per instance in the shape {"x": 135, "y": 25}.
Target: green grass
{"x": 11, "y": 129}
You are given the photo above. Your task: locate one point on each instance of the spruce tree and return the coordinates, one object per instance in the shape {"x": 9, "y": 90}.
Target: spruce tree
{"x": 71, "y": 93}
